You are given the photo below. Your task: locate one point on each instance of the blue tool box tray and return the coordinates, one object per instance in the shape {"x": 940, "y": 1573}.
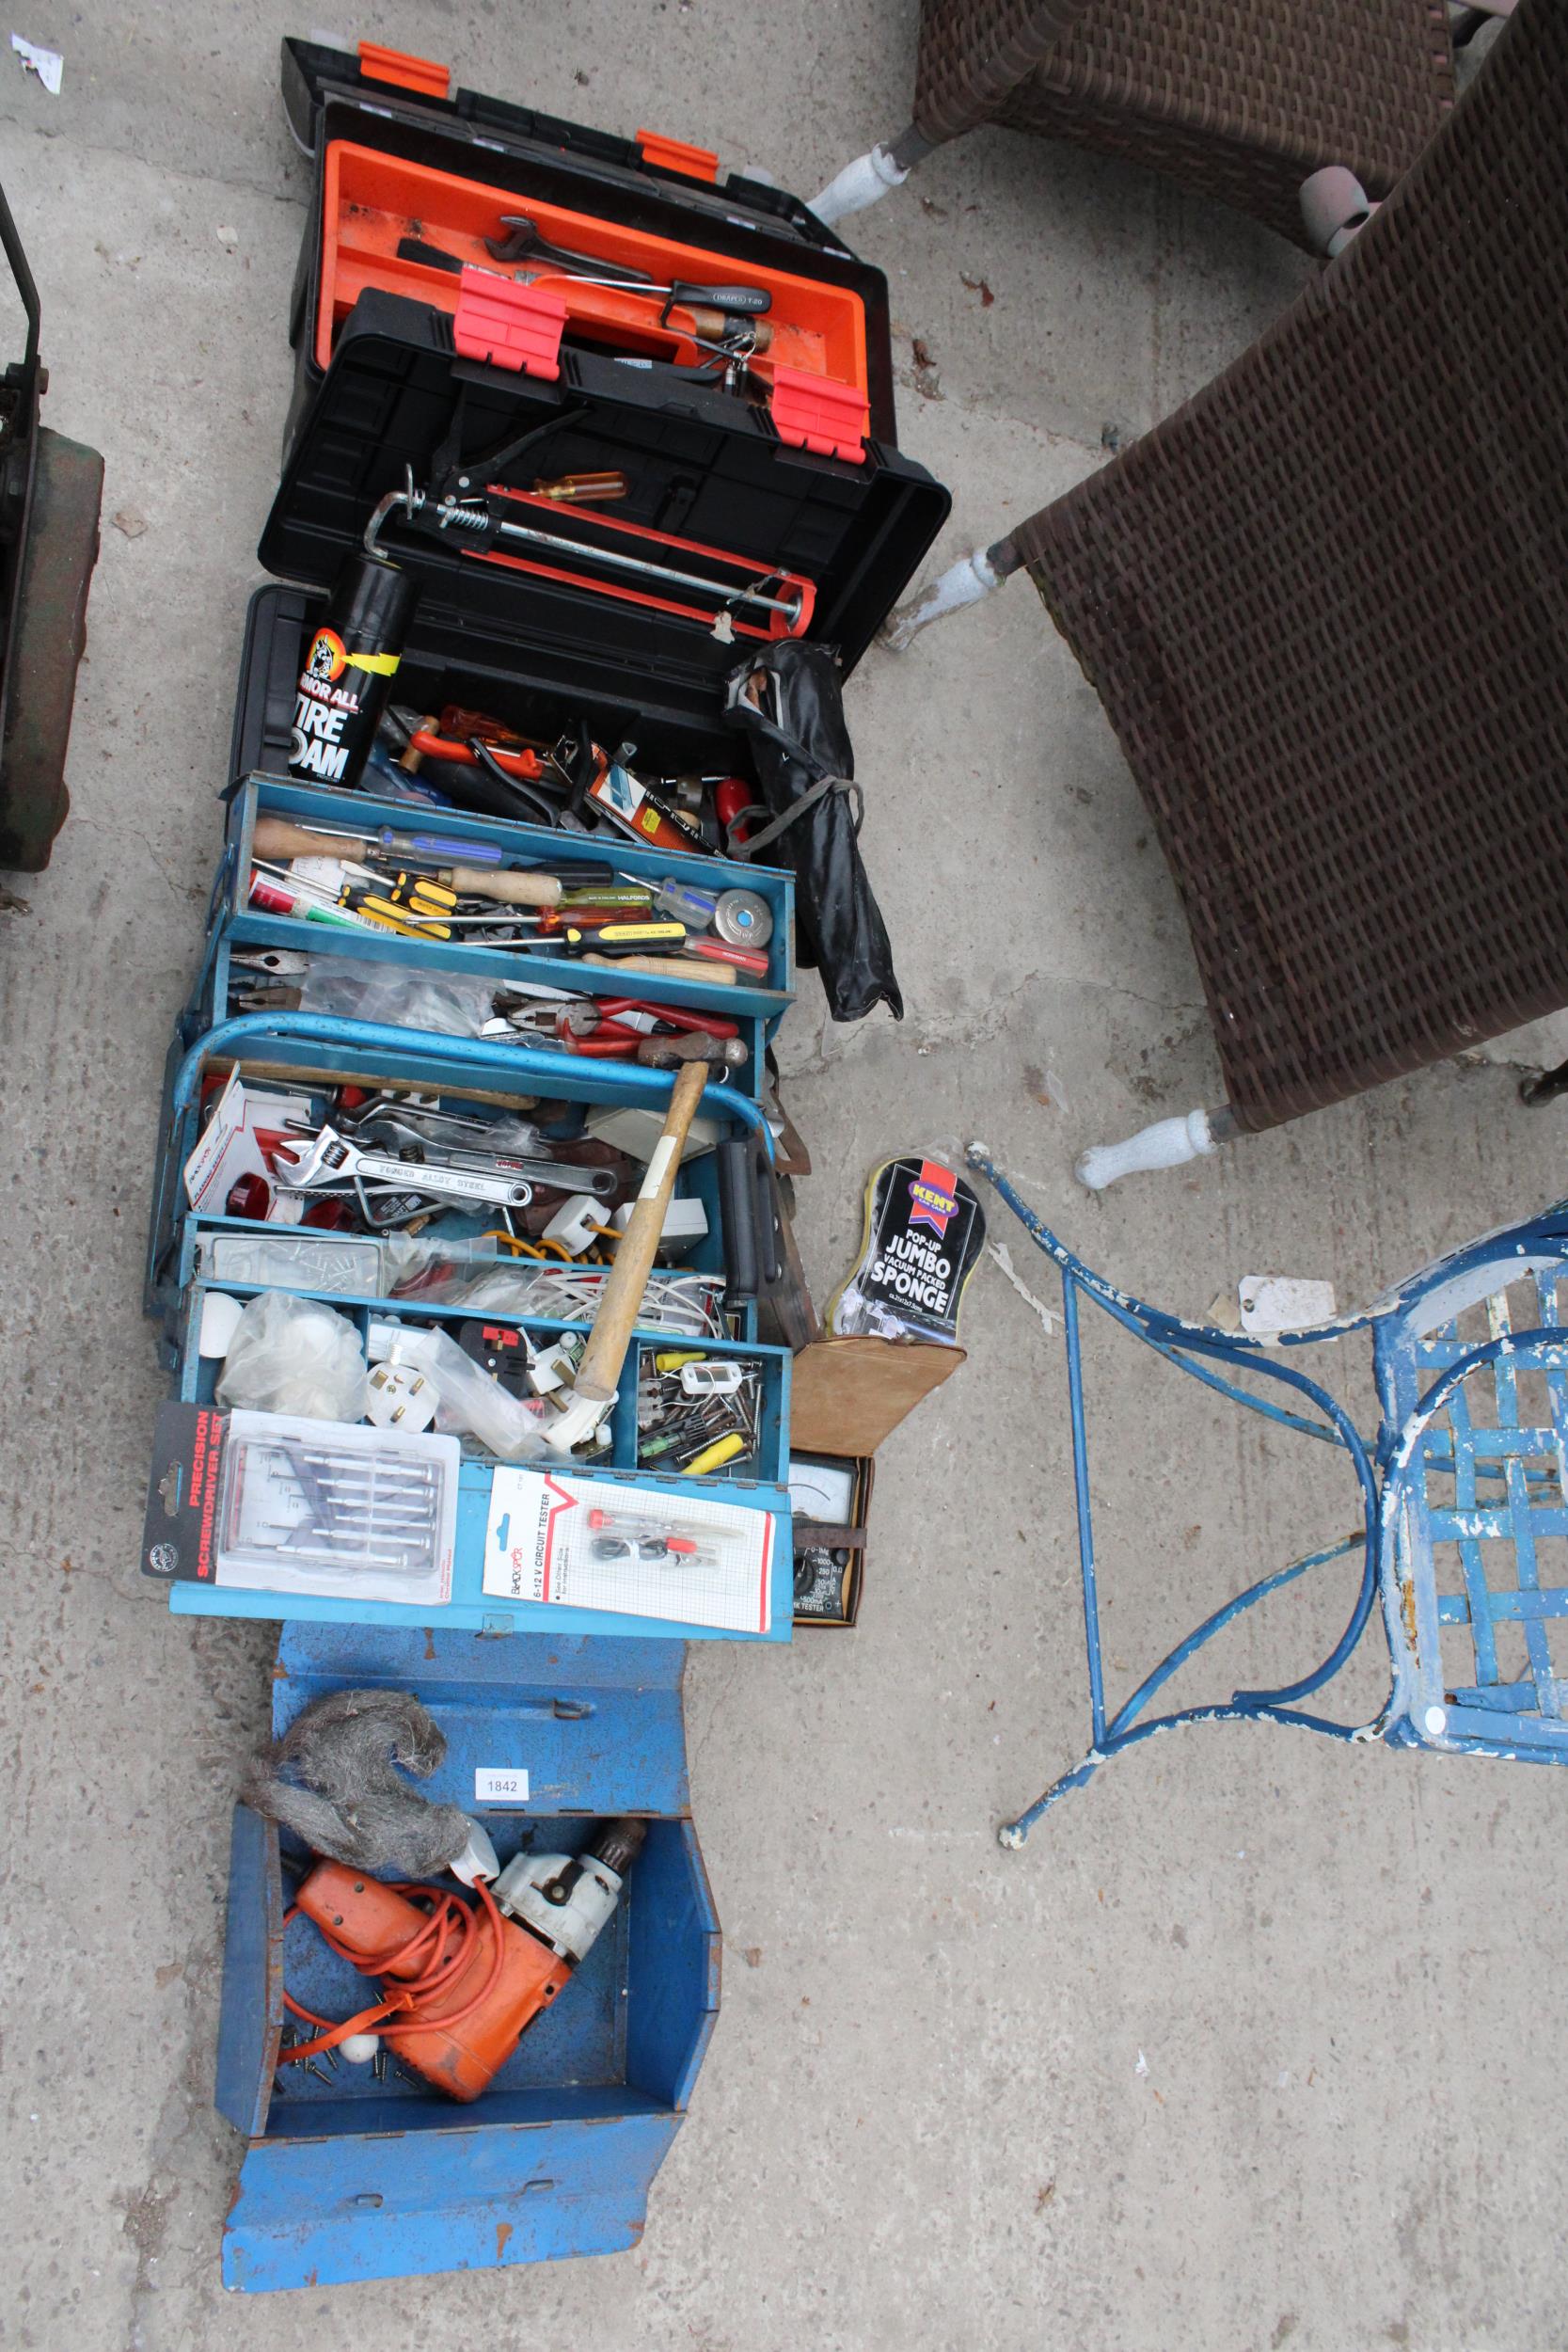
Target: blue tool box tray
{"x": 236, "y": 922}
{"x": 361, "y": 2178}
{"x": 225, "y": 978}
{"x": 304, "y": 1050}
{"x": 301, "y": 1052}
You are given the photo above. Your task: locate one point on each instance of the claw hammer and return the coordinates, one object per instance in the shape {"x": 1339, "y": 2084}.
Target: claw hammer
{"x": 593, "y": 1392}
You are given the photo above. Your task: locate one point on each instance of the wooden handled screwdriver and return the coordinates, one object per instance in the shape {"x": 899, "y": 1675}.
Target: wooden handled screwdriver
{"x": 672, "y": 968}
{"x": 593, "y": 1392}
{"x": 276, "y": 838}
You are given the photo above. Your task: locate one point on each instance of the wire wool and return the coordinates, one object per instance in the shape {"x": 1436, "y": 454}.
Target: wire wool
{"x": 336, "y": 1779}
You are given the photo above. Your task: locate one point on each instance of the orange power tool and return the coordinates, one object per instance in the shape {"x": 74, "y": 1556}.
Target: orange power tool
{"x": 463, "y": 1985}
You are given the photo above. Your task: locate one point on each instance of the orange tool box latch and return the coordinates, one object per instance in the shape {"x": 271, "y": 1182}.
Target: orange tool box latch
{"x": 695, "y": 163}
{"x": 405, "y": 71}
{"x": 816, "y": 412}
{"x": 510, "y": 325}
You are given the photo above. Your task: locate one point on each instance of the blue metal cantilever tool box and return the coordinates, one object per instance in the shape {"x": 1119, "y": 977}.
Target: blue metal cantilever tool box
{"x": 362, "y": 2177}
{"x": 237, "y": 923}
{"x": 304, "y": 1051}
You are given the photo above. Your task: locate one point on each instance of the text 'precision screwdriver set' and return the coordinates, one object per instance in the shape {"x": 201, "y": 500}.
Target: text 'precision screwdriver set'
{"x": 470, "y": 1247}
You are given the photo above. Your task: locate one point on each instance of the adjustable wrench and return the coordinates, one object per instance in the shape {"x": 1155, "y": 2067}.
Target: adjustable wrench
{"x": 328, "y": 1162}
{"x": 391, "y": 1133}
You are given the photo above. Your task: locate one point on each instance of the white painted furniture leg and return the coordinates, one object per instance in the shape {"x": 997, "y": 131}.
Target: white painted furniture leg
{"x": 860, "y": 184}
{"x": 1169, "y": 1143}
{"x": 1333, "y": 205}
{"x": 966, "y": 582}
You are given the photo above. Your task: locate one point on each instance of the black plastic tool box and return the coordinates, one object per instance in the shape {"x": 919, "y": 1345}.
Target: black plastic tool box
{"x": 700, "y": 467}
{"x": 392, "y": 86}
{"x": 404, "y": 108}
{"x": 539, "y": 653}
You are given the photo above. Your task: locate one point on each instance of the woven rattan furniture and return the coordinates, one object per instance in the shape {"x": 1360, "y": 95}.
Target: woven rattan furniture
{"x": 1242, "y": 100}
{"x": 1324, "y": 607}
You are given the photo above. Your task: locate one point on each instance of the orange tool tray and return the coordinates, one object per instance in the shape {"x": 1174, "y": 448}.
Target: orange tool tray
{"x": 373, "y": 200}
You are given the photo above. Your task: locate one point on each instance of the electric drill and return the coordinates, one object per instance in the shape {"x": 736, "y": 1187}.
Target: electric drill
{"x": 551, "y": 1908}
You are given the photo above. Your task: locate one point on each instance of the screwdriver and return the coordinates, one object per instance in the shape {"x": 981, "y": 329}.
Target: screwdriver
{"x": 554, "y": 918}
{"x": 615, "y": 935}
{"x": 270, "y": 896}
{"x": 527, "y": 242}
{"x": 419, "y": 894}
{"x": 623, "y": 938}
{"x": 641, "y": 897}
{"x": 583, "y": 489}
{"x": 475, "y": 879}
{"x": 350, "y": 884}
{"x": 682, "y": 900}
{"x": 720, "y": 951}
{"x": 342, "y": 901}
{"x": 269, "y": 831}
{"x": 412, "y": 922}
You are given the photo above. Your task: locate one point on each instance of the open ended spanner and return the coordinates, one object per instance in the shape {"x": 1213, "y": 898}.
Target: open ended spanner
{"x": 328, "y": 1162}
{"x": 395, "y": 1133}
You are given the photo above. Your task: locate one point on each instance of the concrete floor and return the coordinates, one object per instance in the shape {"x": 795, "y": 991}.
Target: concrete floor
{"x": 1254, "y": 2044}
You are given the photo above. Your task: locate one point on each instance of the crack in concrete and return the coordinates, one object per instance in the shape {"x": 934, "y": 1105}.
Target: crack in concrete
{"x": 66, "y": 138}
{"x": 974, "y": 404}
{"x": 980, "y": 1027}
{"x": 987, "y": 1024}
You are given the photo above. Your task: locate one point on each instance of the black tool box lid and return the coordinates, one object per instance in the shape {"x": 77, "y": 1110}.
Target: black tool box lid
{"x": 702, "y": 466}
{"x": 412, "y": 91}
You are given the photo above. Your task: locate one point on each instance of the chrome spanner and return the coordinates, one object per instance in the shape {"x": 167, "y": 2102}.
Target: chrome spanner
{"x": 328, "y": 1162}
{"x": 391, "y": 1133}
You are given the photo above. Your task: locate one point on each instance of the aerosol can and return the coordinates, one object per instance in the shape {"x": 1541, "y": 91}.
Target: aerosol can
{"x": 350, "y": 663}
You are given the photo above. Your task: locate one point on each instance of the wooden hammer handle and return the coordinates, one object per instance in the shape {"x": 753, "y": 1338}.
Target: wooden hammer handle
{"x": 621, "y": 1303}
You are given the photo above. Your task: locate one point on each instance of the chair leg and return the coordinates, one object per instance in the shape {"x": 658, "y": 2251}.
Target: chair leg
{"x": 967, "y": 582}
{"x": 1012, "y": 1834}
{"x": 1169, "y": 1143}
{"x": 867, "y": 180}
{"x": 1545, "y": 1086}
{"x": 1333, "y": 205}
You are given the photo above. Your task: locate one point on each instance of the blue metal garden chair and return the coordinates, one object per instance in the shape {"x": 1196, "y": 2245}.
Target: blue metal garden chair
{"x": 1464, "y": 1496}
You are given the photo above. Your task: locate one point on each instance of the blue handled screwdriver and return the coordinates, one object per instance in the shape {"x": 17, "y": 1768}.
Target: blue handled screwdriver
{"x": 274, "y": 837}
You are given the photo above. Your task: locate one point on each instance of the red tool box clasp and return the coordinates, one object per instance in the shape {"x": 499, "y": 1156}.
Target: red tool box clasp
{"x": 510, "y": 325}
{"x": 818, "y": 413}
{"x": 405, "y": 71}
{"x": 692, "y": 163}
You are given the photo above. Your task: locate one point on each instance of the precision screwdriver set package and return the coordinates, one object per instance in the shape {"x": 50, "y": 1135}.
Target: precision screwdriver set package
{"x": 469, "y": 1251}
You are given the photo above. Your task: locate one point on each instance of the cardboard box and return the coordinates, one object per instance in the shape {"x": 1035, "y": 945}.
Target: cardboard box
{"x": 848, "y": 1394}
